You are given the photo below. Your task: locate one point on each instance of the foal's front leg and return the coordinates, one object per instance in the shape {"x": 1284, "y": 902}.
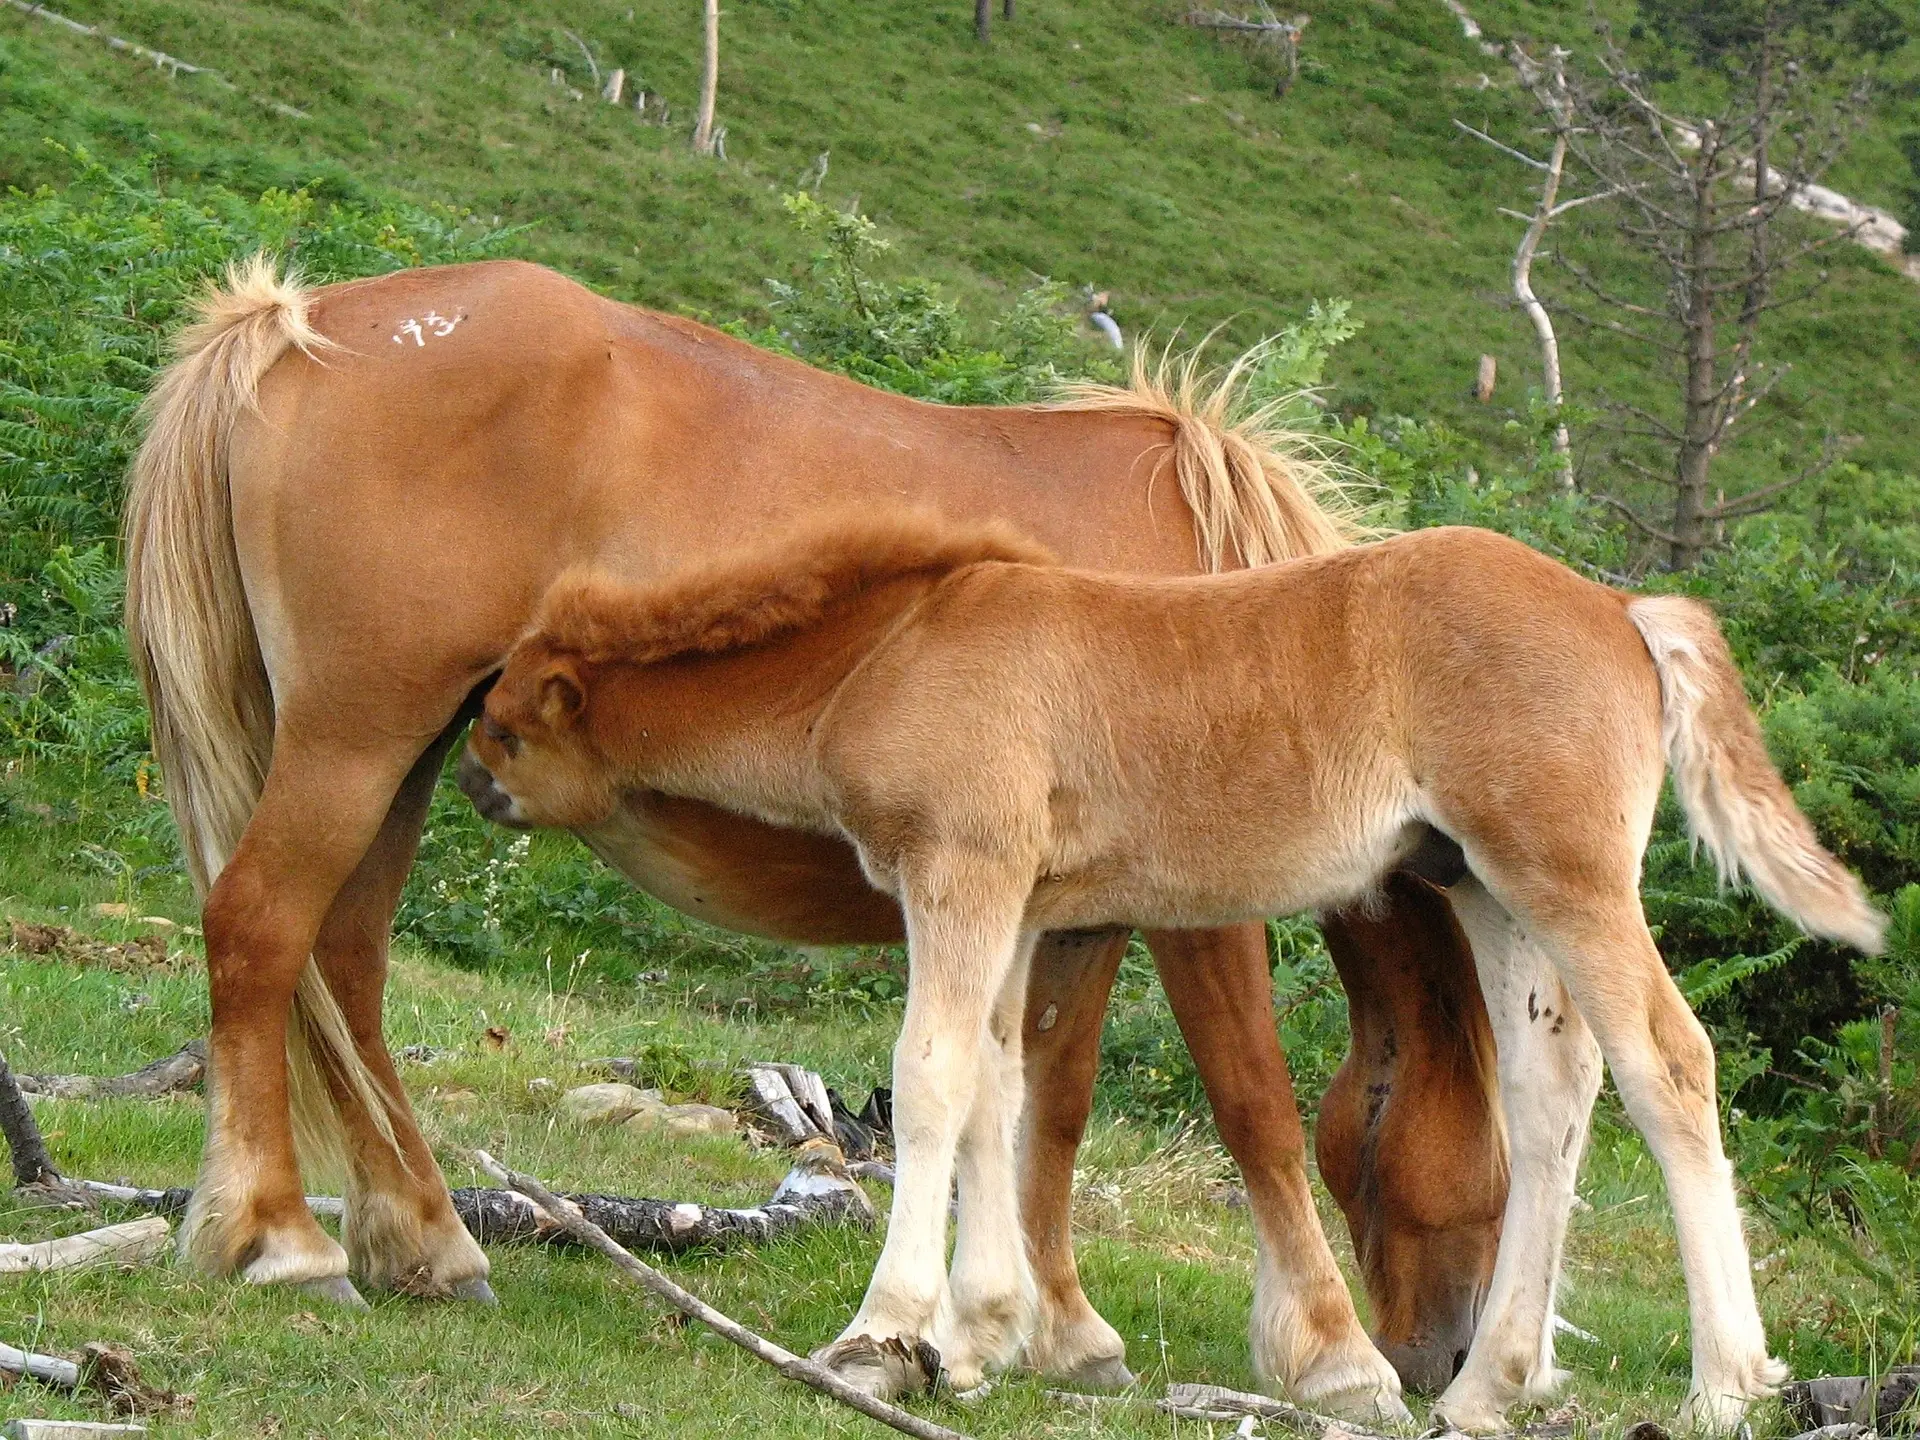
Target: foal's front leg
{"x": 963, "y": 936}
{"x": 991, "y": 1300}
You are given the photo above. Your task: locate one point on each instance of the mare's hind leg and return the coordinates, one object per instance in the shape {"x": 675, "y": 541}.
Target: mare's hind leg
{"x": 400, "y": 1230}
{"x": 320, "y": 809}
{"x": 1071, "y": 976}
{"x": 1549, "y": 1070}
{"x": 1306, "y": 1337}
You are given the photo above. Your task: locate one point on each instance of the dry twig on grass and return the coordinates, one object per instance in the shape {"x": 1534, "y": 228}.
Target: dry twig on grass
{"x": 794, "y": 1367}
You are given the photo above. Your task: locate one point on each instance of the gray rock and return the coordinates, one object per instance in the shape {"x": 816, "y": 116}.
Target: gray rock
{"x": 685, "y": 1120}
{"x": 607, "y": 1104}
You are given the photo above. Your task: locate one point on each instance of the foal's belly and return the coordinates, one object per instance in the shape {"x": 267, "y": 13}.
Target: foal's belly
{"x": 743, "y": 875}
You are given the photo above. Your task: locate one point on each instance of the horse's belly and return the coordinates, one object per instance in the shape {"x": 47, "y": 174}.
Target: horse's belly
{"x": 735, "y": 872}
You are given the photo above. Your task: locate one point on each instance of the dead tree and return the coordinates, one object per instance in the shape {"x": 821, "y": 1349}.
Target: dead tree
{"x": 1705, "y": 199}
{"x": 1547, "y": 81}
{"x": 703, "y": 137}
{"x": 1272, "y": 38}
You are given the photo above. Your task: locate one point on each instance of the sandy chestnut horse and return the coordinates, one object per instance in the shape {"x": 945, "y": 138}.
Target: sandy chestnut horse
{"x": 1014, "y": 748}
{"x": 348, "y": 504}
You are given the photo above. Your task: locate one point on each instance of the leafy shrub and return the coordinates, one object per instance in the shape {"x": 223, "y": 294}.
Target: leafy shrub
{"x": 902, "y": 336}
{"x": 93, "y": 279}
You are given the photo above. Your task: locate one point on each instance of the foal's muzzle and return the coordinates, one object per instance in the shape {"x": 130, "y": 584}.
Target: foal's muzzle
{"x": 478, "y": 785}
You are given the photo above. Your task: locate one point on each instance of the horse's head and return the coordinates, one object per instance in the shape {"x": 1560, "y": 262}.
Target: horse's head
{"x": 533, "y": 745}
{"x": 1409, "y": 1138}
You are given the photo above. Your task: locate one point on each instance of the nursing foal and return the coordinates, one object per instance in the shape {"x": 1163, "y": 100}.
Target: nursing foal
{"x": 1014, "y": 747}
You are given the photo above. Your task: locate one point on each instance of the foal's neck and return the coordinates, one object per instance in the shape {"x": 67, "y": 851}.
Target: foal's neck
{"x": 736, "y": 729}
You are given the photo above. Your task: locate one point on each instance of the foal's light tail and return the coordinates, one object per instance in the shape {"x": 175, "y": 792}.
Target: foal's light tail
{"x": 191, "y": 636}
{"x": 1736, "y": 803}
{"x": 1259, "y": 490}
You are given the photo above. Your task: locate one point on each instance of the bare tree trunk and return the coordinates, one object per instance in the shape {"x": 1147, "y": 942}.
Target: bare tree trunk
{"x": 1006, "y": 9}
{"x": 31, "y": 1163}
{"x": 1537, "y": 313}
{"x": 709, "y": 82}
{"x": 982, "y": 16}
{"x": 1700, "y": 430}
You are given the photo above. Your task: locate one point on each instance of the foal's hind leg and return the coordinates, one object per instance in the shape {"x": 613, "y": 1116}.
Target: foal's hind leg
{"x": 1071, "y": 976}
{"x": 1549, "y": 1069}
{"x": 1306, "y": 1337}
{"x": 400, "y": 1230}
{"x": 318, "y": 812}
{"x": 1663, "y": 1064}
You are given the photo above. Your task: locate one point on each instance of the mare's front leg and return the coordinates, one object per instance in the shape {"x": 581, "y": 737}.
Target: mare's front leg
{"x": 319, "y": 811}
{"x": 1549, "y": 1071}
{"x": 963, "y": 938}
{"x": 1068, "y": 984}
{"x": 1307, "y": 1338}
{"x": 400, "y": 1229}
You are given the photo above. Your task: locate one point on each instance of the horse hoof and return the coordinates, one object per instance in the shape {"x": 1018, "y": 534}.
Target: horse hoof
{"x": 335, "y": 1290}
{"x": 885, "y": 1369}
{"x": 477, "y": 1290}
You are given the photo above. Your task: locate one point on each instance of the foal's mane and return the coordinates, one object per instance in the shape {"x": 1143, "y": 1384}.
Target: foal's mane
{"x": 760, "y": 592}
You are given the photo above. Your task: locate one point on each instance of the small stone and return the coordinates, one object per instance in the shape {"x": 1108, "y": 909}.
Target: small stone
{"x": 113, "y": 910}
{"x": 541, "y": 1085}
{"x": 160, "y": 923}
{"x": 608, "y": 1103}
{"x": 685, "y": 1120}
{"x": 67, "y": 1430}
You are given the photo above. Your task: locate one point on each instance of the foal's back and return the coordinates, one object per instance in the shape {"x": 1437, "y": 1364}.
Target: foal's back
{"x": 1184, "y": 751}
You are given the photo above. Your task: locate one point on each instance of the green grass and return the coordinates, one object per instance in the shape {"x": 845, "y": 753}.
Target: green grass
{"x": 1090, "y": 142}
{"x": 1162, "y": 1257}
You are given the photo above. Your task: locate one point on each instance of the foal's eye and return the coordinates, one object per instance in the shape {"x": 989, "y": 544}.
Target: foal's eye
{"x": 507, "y": 740}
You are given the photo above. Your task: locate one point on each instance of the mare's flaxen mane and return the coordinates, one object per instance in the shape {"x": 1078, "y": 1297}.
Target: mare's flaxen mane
{"x": 756, "y": 594}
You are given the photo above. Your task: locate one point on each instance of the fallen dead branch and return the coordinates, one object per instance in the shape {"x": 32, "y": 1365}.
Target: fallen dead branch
{"x": 108, "y": 1371}
{"x": 794, "y": 1367}
{"x": 817, "y": 1191}
{"x": 172, "y": 64}
{"x": 182, "y": 1070}
{"x": 130, "y": 1243}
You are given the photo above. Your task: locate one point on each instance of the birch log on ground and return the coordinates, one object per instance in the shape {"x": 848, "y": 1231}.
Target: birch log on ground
{"x": 130, "y": 1243}
{"x": 31, "y": 1163}
{"x": 807, "y": 1372}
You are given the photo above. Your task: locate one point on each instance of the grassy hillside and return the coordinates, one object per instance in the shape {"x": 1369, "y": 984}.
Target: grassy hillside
{"x": 1091, "y": 142}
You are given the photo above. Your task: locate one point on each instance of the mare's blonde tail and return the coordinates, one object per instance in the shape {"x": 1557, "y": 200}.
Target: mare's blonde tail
{"x": 1259, "y": 490}
{"x": 1736, "y": 803}
{"x": 191, "y": 635}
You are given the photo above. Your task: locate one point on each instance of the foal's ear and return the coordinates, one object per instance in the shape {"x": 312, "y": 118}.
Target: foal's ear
{"x": 562, "y": 695}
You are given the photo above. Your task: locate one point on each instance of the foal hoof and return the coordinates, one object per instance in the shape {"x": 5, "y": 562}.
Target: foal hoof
{"x": 476, "y": 1290}
{"x": 885, "y": 1369}
{"x": 335, "y": 1290}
